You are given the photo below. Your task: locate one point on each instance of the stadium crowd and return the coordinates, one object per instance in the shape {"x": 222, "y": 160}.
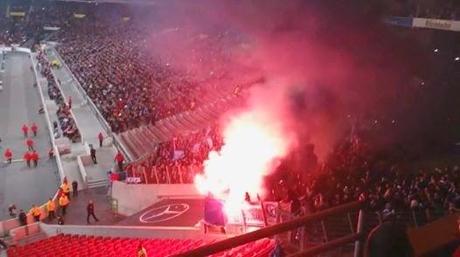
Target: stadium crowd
{"x": 350, "y": 173}
{"x": 66, "y": 122}
{"x": 129, "y": 85}
{"x": 179, "y": 160}
{"x": 388, "y": 187}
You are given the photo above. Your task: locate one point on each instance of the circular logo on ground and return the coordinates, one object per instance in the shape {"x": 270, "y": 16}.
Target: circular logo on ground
{"x": 164, "y": 213}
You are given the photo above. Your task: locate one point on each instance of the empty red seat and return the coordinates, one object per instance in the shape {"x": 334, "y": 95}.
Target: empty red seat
{"x": 98, "y": 246}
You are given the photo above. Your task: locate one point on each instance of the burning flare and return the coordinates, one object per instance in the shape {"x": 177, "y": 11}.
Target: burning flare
{"x": 252, "y": 144}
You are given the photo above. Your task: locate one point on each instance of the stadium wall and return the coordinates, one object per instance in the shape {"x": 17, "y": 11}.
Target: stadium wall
{"x": 132, "y": 198}
{"x": 128, "y": 231}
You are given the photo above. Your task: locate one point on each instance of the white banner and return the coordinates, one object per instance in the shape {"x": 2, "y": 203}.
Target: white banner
{"x": 436, "y": 24}
{"x": 51, "y": 28}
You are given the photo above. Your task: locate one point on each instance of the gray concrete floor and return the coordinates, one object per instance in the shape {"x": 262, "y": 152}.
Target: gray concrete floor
{"x": 76, "y": 212}
{"x": 19, "y": 103}
{"x": 87, "y": 123}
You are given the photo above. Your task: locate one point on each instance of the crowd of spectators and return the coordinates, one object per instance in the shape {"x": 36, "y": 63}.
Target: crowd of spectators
{"x": 179, "y": 160}
{"x": 350, "y": 173}
{"x": 388, "y": 187}
{"x": 446, "y": 9}
{"x": 113, "y": 62}
{"x": 66, "y": 122}
{"x": 12, "y": 32}
{"x": 111, "y": 59}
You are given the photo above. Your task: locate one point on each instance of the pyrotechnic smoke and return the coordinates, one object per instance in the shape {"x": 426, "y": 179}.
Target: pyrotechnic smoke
{"x": 325, "y": 65}
{"x": 254, "y": 141}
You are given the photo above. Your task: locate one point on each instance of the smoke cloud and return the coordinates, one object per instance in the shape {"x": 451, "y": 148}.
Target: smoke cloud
{"x": 327, "y": 65}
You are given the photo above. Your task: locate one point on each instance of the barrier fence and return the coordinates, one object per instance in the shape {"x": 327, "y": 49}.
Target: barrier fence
{"x": 277, "y": 231}
{"x": 48, "y": 122}
{"x": 92, "y": 106}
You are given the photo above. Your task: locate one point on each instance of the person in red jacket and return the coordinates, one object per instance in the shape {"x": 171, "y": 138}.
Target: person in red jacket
{"x": 34, "y": 158}
{"x": 30, "y": 144}
{"x": 8, "y": 155}
{"x": 119, "y": 158}
{"x": 25, "y": 130}
{"x": 27, "y": 158}
{"x": 101, "y": 138}
{"x": 34, "y": 129}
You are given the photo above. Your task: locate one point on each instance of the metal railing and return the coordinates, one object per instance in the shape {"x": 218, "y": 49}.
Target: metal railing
{"x": 48, "y": 121}
{"x": 87, "y": 99}
{"x": 295, "y": 224}
{"x": 105, "y": 125}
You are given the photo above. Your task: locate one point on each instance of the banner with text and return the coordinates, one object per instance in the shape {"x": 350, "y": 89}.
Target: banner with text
{"x": 436, "y": 24}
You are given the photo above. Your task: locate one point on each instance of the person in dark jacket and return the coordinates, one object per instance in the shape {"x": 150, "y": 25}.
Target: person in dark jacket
{"x": 22, "y": 217}
{"x": 92, "y": 152}
{"x": 74, "y": 188}
{"x": 388, "y": 239}
{"x": 3, "y": 245}
{"x": 90, "y": 211}
{"x": 60, "y": 220}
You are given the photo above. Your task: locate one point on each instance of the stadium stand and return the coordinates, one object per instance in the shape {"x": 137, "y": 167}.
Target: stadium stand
{"x": 165, "y": 117}
{"x": 82, "y": 245}
{"x": 151, "y": 88}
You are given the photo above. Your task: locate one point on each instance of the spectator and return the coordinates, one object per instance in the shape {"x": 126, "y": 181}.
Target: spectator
{"x": 51, "y": 153}
{"x": 74, "y": 188}
{"x": 60, "y": 220}
{"x": 22, "y": 217}
{"x": 12, "y": 210}
{"x": 119, "y": 158}
{"x": 92, "y": 152}
{"x": 388, "y": 239}
{"x": 100, "y": 136}
{"x": 3, "y": 245}
{"x": 90, "y": 212}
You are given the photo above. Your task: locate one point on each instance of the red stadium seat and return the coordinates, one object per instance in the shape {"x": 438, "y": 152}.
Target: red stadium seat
{"x": 83, "y": 246}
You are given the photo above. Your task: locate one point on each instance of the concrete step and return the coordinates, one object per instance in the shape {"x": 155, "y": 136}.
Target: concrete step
{"x": 97, "y": 183}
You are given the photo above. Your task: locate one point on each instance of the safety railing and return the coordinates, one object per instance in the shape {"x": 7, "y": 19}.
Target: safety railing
{"x": 59, "y": 87}
{"x": 295, "y": 225}
{"x": 48, "y": 122}
{"x": 87, "y": 99}
{"x": 104, "y": 123}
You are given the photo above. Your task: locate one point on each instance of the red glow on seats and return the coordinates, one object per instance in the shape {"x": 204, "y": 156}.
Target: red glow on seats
{"x": 98, "y": 246}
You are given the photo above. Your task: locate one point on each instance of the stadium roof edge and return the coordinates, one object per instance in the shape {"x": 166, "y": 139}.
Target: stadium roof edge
{"x": 147, "y": 2}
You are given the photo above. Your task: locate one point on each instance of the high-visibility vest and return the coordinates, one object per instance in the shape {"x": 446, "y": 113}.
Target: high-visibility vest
{"x": 35, "y": 211}
{"x": 51, "y": 205}
{"x": 65, "y": 187}
{"x": 63, "y": 200}
{"x": 142, "y": 253}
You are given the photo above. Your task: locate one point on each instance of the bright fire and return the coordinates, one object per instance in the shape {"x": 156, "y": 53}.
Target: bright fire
{"x": 252, "y": 145}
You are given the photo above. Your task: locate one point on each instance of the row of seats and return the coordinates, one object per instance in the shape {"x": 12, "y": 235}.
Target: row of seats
{"x": 98, "y": 246}
{"x": 144, "y": 140}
